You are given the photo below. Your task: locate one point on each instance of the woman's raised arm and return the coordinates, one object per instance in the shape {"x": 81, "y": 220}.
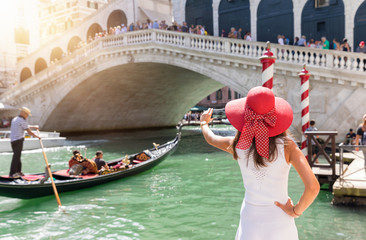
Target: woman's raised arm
{"x": 223, "y": 143}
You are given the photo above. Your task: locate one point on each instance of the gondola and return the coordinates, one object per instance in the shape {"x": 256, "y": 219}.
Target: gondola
{"x": 31, "y": 186}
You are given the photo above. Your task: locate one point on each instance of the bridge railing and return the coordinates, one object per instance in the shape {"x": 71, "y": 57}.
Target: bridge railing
{"x": 284, "y": 53}
{"x": 329, "y": 59}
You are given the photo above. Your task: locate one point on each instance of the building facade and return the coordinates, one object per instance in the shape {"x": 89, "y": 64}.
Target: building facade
{"x": 31, "y": 24}
{"x": 219, "y": 98}
{"x": 58, "y": 16}
{"x": 266, "y": 19}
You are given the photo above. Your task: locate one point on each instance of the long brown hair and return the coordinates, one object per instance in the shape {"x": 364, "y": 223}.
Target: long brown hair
{"x": 260, "y": 161}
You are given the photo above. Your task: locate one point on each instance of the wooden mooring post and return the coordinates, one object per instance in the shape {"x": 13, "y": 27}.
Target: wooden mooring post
{"x": 318, "y": 141}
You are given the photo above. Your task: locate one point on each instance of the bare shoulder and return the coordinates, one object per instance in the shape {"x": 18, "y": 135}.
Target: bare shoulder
{"x": 290, "y": 144}
{"x": 292, "y": 151}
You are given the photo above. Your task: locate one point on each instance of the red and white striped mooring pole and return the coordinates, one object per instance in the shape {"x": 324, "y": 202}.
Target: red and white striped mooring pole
{"x": 305, "y": 115}
{"x": 267, "y": 60}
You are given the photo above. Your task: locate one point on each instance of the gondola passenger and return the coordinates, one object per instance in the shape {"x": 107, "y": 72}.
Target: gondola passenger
{"x": 88, "y": 165}
{"x": 99, "y": 161}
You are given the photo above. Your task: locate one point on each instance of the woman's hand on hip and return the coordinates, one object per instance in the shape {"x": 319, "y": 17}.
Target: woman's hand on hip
{"x": 288, "y": 208}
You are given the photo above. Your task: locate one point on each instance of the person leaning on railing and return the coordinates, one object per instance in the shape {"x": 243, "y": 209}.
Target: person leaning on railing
{"x": 361, "y": 136}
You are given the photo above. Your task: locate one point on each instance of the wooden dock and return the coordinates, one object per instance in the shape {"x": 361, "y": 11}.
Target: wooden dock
{"x": 350, "y": 188}
{"x": 344, "y": 172}
{"x": 324, "y": 173}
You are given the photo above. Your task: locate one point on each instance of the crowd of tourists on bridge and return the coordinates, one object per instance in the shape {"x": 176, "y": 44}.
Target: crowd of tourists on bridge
{"x": 323, "y": 43}
{"x": 234, "y": 33}
{"x": 123, "y": 28}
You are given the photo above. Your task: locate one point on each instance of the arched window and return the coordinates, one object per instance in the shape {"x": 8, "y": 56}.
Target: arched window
{"x": 93, "y": 29}
{"x": 275, "y": 17}
{"x": 237, "y": 95}
{"x": 39, "y": 65}
{"x": 360, "y": 25}
{"x": 25, "y": 74}
{"x": 234, "y": 14}
{"x": 199, "y": 12}
{"x": 73, "y": 44}
{"x": 116, "y": 18}
{"x": 324, "y": 20}
{"x": 56, "y": 54}
{"x": 219, "y": 94}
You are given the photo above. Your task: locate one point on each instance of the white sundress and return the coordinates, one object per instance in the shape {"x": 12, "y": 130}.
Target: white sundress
{"x": 260, "y": 218}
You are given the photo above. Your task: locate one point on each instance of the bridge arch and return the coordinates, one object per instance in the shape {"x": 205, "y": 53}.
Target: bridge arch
{"x": 92, "y": 30}
{"x": 200, "y": 12}
{"x": 234, "y": 14}
{"x": 328, "y": 21}
{"x": 116, "y": 18}
{"x": 39, "y": 65}
{"x": 73, "y": 43}
{"x": 128, "y": 84}
{"x": 360, "y": 25}
{"x": 25, "y": 74}
{"x": 56, "y": 54}
{"x": 275, "y": 17}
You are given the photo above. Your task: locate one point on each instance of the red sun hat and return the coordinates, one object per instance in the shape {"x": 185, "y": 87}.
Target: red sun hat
{"x": 260, "y": 115}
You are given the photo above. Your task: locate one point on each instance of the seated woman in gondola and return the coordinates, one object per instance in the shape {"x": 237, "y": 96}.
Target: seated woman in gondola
{"x": 77, "y": 160}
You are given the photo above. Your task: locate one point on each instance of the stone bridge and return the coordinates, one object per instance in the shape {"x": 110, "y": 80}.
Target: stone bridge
{"x": 150, "y": 78}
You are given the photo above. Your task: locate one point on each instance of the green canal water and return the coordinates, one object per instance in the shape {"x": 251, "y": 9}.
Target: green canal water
{"x": 196, "y": 193}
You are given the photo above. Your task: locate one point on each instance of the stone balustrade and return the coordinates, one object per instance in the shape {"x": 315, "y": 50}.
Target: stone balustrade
{"x": 329, "y": 59}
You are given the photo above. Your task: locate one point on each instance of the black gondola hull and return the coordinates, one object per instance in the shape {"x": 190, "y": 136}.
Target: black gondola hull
{"x": 9, "y": 187}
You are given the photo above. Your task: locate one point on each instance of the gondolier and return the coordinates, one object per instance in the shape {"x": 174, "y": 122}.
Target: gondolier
{"x": 18, "y": 126}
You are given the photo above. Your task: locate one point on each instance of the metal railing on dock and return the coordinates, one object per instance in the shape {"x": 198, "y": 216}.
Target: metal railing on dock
{"x": 350, "y": 187}
{"x": 342, "y": 172}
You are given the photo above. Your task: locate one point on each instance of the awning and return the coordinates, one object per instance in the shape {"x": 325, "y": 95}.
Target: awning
{"x": 198, "y": 109}
{"x": 4, "y": 106}
{"x": 153, "y": 15}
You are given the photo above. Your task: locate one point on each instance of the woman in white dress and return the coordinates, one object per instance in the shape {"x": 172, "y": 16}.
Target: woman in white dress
{"x": 265, "y": 154}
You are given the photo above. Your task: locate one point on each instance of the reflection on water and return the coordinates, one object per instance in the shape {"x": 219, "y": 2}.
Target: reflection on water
{"x": 194, "y": 194}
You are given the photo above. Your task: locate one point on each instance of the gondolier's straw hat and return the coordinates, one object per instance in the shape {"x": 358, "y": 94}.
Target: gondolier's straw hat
{"x": 260, "y": 115}
{"x": 26, "y": 110}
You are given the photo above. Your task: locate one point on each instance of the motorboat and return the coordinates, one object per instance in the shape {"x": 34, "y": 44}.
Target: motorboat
{"x": 49, "y": 139}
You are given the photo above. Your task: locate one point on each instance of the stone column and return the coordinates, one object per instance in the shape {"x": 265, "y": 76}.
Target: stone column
{"x": 215, "y": 17}
{"x": 350, "y": 9}
{"x": 297, "y": 10}
{"x": 179, "y": 10}
{"x": 253, "y": 18}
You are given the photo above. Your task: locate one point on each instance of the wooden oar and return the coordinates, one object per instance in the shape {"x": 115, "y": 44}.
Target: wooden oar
{"x": 50, "y": 173}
